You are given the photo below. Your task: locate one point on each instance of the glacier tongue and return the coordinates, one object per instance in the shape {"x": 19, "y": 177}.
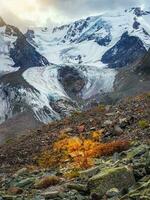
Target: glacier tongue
{"x": 44, "y": 79}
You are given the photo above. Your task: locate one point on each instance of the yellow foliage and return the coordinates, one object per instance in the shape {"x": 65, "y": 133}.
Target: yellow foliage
{"x": 78, "y": 153}
{"x": 48, "y": 159}
{"x": 96, "y": 135}
{"x": 71, "y": 174}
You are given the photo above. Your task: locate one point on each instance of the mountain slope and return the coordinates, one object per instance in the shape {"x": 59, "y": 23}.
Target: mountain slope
{"x": 33, "y": 66}
{"x": 76, "y": 157}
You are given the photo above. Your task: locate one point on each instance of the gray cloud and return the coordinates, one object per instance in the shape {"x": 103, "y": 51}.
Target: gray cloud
{"x": 68, "y": 10}
{"x": 78, "y": 8}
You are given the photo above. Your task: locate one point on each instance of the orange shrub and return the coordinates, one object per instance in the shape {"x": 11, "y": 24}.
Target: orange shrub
{"x": 46, "y": 182}
{"x": 112, "y": 147}
{"x": 78, "y": 152}
{"x": 48, "y": 159}
{"x": 96, "y": 135}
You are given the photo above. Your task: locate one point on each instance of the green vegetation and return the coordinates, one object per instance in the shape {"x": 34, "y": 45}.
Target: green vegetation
{"x": 143, "y": 124}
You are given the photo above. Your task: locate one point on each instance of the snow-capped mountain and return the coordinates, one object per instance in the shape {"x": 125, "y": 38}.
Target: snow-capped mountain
{"x": 51, "y": 71}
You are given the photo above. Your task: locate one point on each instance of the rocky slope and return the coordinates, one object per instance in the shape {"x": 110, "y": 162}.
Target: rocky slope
{"x": 124, "y": 174}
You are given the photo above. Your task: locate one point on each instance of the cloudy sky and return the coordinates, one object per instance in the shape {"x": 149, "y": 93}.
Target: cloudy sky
{"x": 42, "y": 12}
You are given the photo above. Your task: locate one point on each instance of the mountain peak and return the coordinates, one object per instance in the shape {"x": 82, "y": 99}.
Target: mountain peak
{"x": 2, "y": 22}
{"x": 138, "y": 11}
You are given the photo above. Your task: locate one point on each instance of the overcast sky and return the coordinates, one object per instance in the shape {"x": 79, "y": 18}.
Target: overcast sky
{"x": 42, "y": 12}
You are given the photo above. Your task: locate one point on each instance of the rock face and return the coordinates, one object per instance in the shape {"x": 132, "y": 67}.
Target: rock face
{"x": 138, "y": 11}
{"x": 72, "y": 80}
{"x": 144, "y": 65}
{"x": 21, "y": 51}
{"x": 125, "y": 52}
{"x": 86, "y": 30}
{"x": 24, "y": 55}
{"x": 121, "y": 178}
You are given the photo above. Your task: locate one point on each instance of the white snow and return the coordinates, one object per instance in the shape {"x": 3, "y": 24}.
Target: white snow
{"x": 44, "y": 80}
{"x": 6, "y": 42}
{"x": 61, "y": 47}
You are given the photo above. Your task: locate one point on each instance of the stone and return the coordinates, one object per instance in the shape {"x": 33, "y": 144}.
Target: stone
{"x": 25, "y": 182}
{"x": 117, "y": 130}
{"x": 123, "y": 120}
{"x": 89, "y": 172}
{"x": 66, "y": 130}
{"x": 121, "y": 178}
{"x": 116, "y": 156}
{"x": 78, "y": 187}
{"x": 15, "y": 191}
{"x": 74, "y": 195}
{"x": 108, "y": 123}
{"x": 21, "y": 172}
{"x": 95, "y": 196}
{"x": 81, "y": 128}
{"x": 110, "y": 114}
{"x": 140, "y": 191}
{"x": 50, "y": 195}
{"x": 112, "y": 192}
{"x": 93, "y": 129}
{"x": 8, "y": 197}
{"x": 107, "y": 108}
{"x": 138, "y": 151}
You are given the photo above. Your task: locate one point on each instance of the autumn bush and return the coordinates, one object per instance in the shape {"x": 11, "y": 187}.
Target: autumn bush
{"x": 48, "y": 159}
{"x": 71, "y": 174}
{"x": 47, "y": 181}
{"x": 97, "y": 135}
{"x": 78, "y": 152}
{"x": 107, "y": 149}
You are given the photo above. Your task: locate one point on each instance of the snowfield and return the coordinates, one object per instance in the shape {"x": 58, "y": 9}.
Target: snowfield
{"x": 6, "y": 42}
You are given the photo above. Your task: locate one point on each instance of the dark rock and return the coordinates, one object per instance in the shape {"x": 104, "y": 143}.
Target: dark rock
{"x": 121, "y": 178}
{"x": 139, "y": 12}
{"x": 112, "y": 192}
{"x": 103, "y": 41}
{"x": 78, "y": 187}
{"x": 12, "y": 31}
{"x": 21, "y": 172}
{"x": 89, "y": 172}
{"x": 136, "y": 25}
{"x": 25, "y": 182}
{"x": 25, "y": 55}
{"x": 118, "y": 130}
{"x": 125, "y": 52}
{"x": 72, "y": 80}
{"x": 50, "y": 195}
